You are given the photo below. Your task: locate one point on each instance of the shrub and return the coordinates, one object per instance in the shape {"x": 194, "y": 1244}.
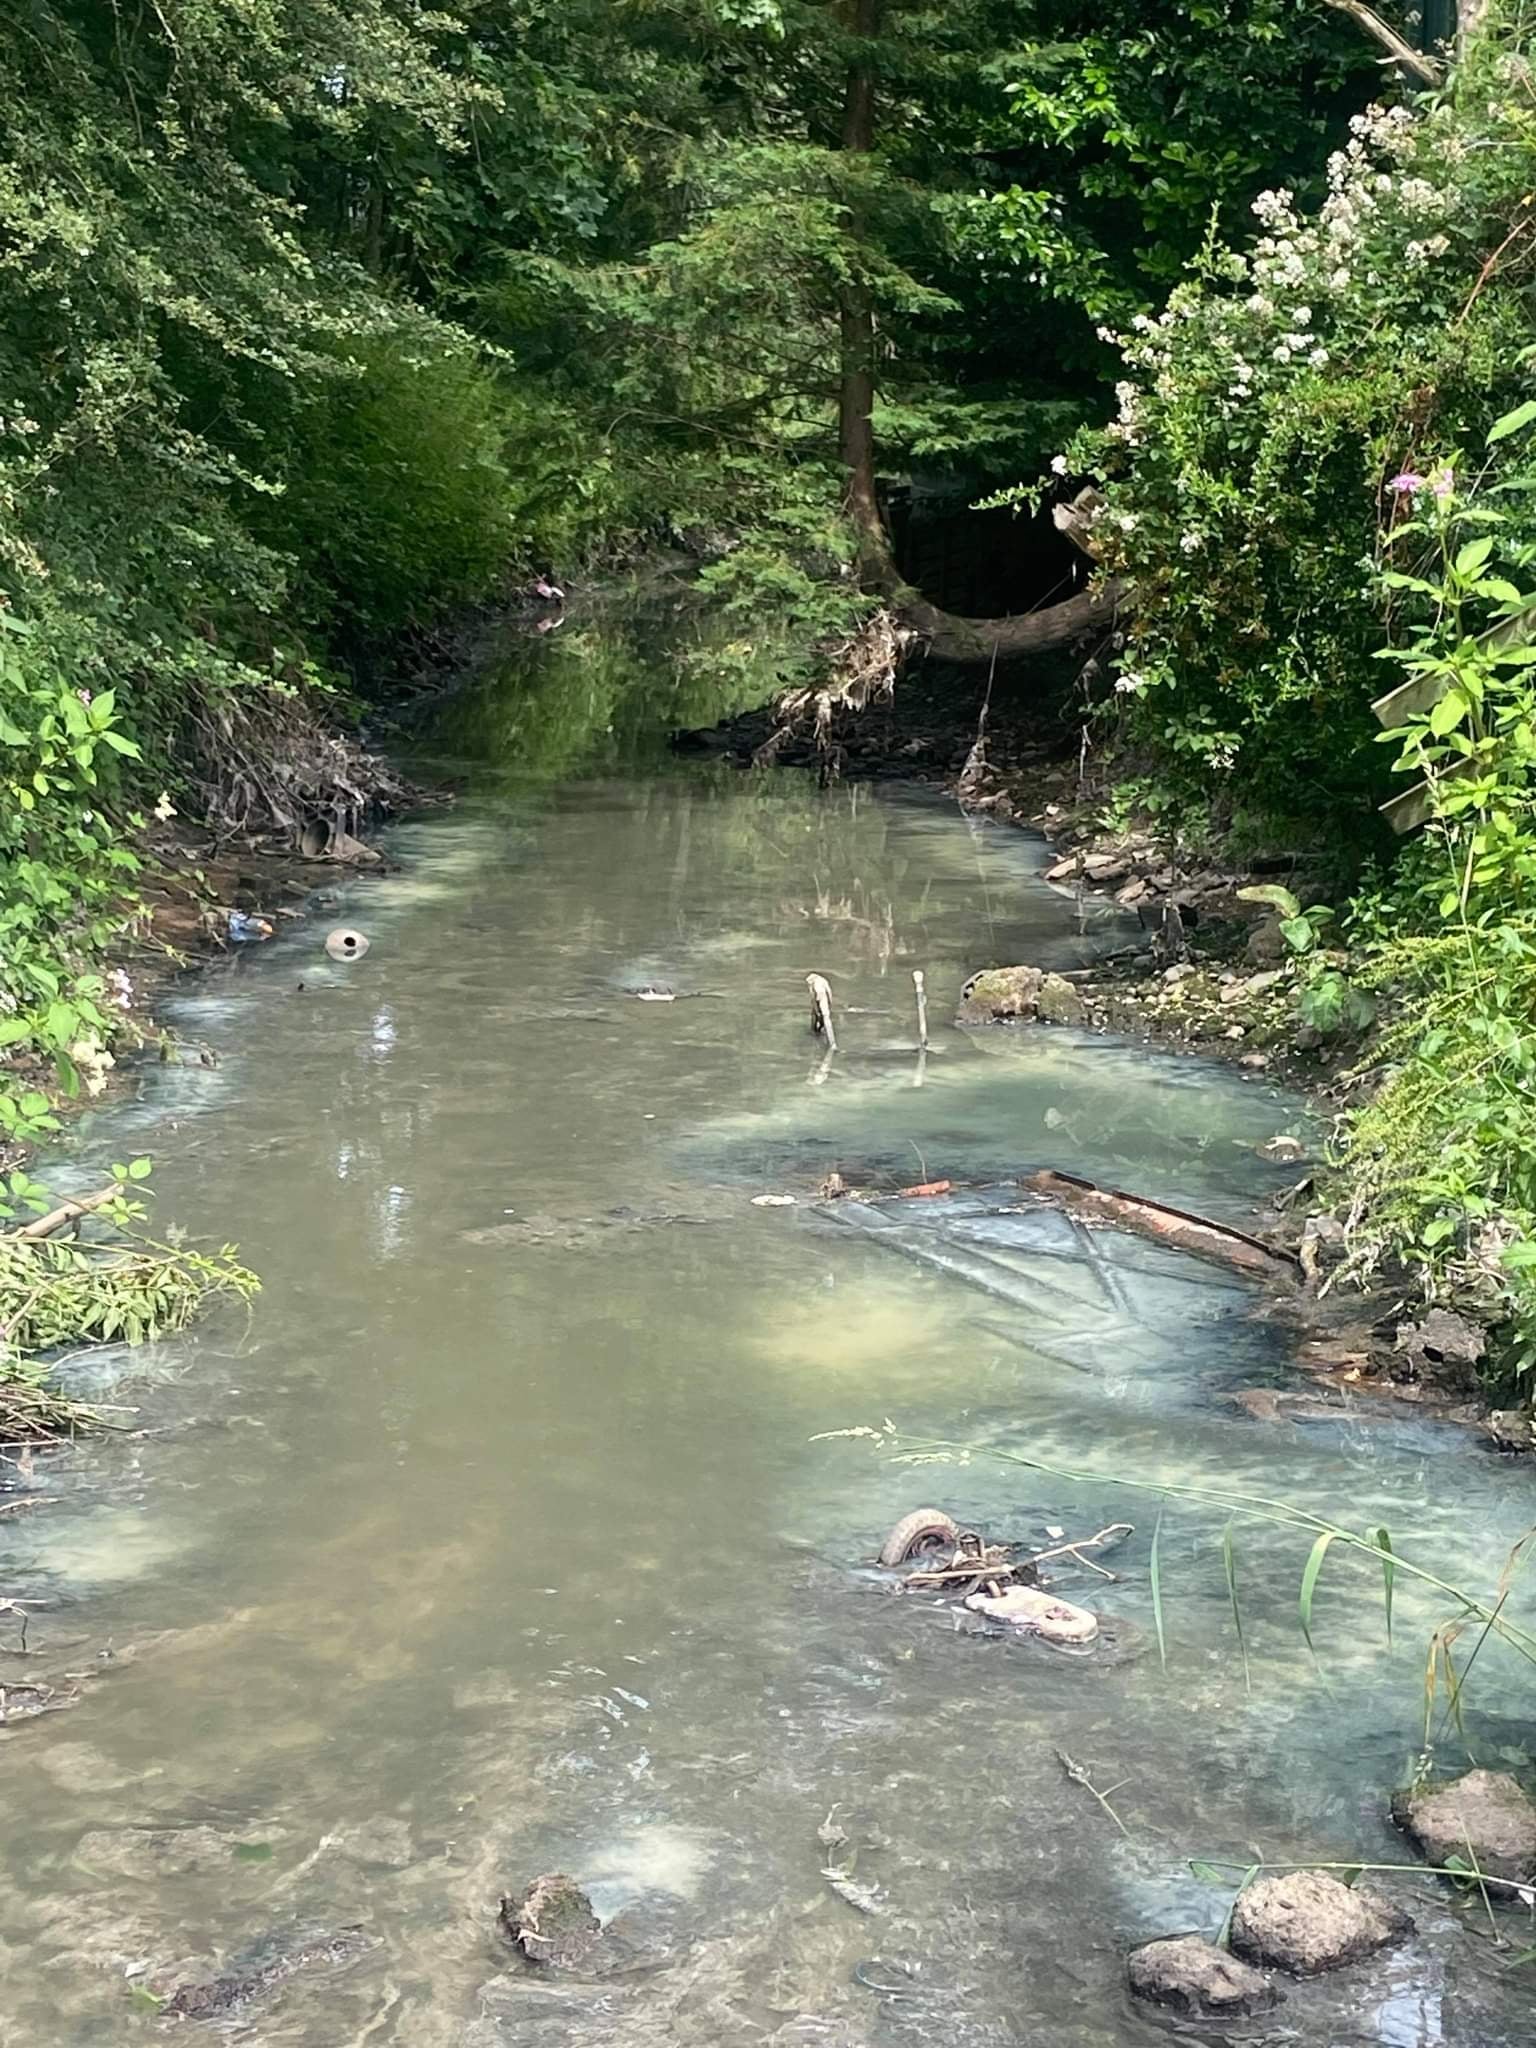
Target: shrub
{"x": 1263, "y": 415}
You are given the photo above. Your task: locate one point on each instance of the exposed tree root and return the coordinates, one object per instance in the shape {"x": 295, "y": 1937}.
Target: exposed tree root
{"x": 267, "y": 767}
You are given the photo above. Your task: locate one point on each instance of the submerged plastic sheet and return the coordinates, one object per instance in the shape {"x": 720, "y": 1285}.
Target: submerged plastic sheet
{"x": 1082, "y": 1294}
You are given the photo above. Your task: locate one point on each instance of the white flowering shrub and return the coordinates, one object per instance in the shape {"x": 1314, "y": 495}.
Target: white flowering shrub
{"x": 1265, "y": 413}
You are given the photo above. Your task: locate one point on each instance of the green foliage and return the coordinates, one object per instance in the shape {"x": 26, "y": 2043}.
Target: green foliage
{"x": 1323, "y": 463}
{"x": 1263, "y": 416}
{"x": 120, "y": 1288}
{"x": 1443, "y": 1161}
{"x": 397, "y": 499}
{"x": 62, "y": 872}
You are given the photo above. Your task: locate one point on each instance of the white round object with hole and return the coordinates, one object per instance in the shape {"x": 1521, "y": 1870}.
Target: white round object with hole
{"x": 345, "y": 944}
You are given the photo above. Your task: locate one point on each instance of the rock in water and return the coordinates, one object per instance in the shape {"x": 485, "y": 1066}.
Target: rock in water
{"x": 1193, "y": 1977}
{"x": 553, "y": 1922}
{"x": 1484, "y": 1816}
{"x": 1307, "y": 1922}
{"x": 1000, "y": 993}
{"x": 1058, "y": 1002}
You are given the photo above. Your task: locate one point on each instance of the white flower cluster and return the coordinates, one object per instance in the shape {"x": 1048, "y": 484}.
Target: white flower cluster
{"x": 93, "y": 1060}
{"x": 1289, "y": 286}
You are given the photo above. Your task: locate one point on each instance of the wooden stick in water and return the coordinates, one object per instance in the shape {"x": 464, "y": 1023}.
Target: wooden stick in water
{"x": 821, "y": 1009}
{"x": 922, "y": 1007}
{"x": 66, "y": 1212}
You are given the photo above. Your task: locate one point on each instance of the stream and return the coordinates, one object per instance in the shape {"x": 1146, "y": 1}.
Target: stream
{"x": 505, "y": 1536}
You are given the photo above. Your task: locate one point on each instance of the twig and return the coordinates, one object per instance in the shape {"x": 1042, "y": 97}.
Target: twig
{"x": 1113, "y": 1532}
{"x": 1413, "y": 61}
{"x": 1491, "y": 264}
{"x": 1079, "y": 1776}
{"x": 66, "y": 1212}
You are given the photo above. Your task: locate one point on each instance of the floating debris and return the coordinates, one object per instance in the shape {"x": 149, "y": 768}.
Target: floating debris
{"x": 346, "y": 944}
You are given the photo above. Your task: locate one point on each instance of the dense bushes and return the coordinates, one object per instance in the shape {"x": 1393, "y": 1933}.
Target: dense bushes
{"x": 1322, "y": 482}
{"x": 1266, "y": 411}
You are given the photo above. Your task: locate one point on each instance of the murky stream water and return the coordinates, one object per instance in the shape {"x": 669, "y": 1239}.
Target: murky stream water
{"x": 498, "y": 1540}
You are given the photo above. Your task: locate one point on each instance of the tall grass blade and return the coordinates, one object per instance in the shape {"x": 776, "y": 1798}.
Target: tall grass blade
{"x": 1243, "y": 1883}
{"x": 1309, "y": 1576}
{"x": 1229, "y": 1565}
{"x": 1388, "y": 1575}
{"x": 1459, "y": 1683}
{"x": 1155, "y": 1573}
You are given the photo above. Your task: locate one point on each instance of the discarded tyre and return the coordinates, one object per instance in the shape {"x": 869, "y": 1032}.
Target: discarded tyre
{"x": 923, "y": 1529}
{"x": 346, "y": 944}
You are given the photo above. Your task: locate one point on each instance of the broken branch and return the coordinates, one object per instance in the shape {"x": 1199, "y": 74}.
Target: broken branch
{"x": 1413, "y": 61}
{"x": 1197, "y": 1235}
{"x": 66, "y": 1212}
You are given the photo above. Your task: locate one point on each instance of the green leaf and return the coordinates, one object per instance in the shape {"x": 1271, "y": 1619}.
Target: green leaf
{"x": 1450, "y": 711}
{"x": 1388, "y": 1575}
{"x": 119, "y": 744}
{"x": 1271, "y": 892}
{"x": 140, "y": 1169}
{"x": 1207, "y": 1872}
{"x": 1309, "y": 1574}
{"x": 1471, "y": 557}
{"x": 1512, "y": 422}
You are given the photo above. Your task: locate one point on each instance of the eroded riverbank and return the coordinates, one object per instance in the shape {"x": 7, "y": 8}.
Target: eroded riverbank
{"x": 497, "y": 1541}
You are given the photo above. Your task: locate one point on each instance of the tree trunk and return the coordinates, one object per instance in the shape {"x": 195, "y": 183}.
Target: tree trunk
{"x": 950, "y": 637}
{"x": 856, "y": 394}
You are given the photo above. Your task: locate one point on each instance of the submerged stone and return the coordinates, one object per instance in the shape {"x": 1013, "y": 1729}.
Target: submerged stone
{"x": 553, "y": 1922}
{"x": 1307, "y": 1922}
{"x": 1195, "y": 1978}
{"x": 1484, "y": 1818}
{"x": 216, "y": 1996}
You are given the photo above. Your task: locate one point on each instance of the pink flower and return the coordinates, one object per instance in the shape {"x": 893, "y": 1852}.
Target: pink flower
{"x": 1407, "y": 484}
